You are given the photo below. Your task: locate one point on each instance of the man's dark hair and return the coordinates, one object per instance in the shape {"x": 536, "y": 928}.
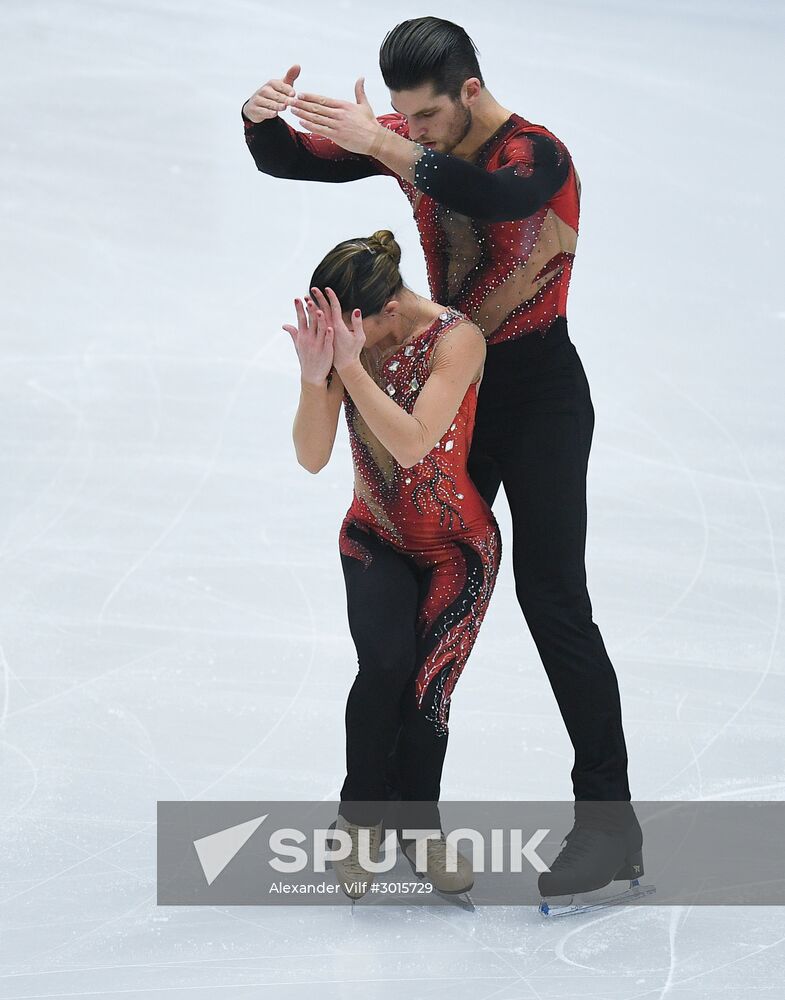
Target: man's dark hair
{"x": 428, "y": 50}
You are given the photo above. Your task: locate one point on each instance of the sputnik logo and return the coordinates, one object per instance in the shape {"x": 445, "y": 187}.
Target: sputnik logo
{"x": 217, "y": 849}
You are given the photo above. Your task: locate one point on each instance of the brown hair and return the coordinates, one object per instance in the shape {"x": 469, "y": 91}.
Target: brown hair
{"x": 363, "y": 272}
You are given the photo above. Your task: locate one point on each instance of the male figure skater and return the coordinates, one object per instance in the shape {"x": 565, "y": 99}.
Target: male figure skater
{"x": 496, "y": 202}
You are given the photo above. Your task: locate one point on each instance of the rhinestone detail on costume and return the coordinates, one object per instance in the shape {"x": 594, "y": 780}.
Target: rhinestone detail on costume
{"x": 510, "y": 277}
{"x": 418, "y": 506}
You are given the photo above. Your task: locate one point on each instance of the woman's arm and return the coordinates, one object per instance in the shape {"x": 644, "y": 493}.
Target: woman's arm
{"x": 321, "y": 390}
{"x": 456, "y": 362}
{"x": 316, "y": 422}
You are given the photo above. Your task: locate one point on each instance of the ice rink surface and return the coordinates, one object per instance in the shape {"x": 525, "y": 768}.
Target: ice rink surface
{"x": 173, "y": 614}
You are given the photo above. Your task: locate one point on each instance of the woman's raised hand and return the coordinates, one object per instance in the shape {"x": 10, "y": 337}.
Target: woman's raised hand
{"x": 313, "y": 342}
{"x": 347, "y": 342}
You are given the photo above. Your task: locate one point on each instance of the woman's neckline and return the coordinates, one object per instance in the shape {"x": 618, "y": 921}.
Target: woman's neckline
{"x": 440, "y": 317}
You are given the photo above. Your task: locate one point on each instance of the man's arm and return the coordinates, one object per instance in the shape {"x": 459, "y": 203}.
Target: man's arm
{"x": 536, "y": 166}
{"x": 281, "y": 151}
{"x": 535, "y": 170}
{"x": 457, "y": 360}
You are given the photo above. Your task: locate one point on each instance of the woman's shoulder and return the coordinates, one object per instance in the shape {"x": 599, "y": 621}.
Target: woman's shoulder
{"x": 460, "y": 343}
{"x": 460, "y": 329}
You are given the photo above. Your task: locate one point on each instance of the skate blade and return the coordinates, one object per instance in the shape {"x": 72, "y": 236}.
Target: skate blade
{"x": 460, "y": 899}
{"x": 599, "y": 899}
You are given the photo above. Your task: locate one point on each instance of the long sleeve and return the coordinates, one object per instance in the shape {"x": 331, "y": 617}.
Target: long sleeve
{"x": 534, "y": 170}
{"x": 281, "y": 151}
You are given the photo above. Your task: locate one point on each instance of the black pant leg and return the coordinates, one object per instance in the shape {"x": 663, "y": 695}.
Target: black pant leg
{"x": 540, "y": 434}
{"x": 484, "y": 469}
{"x": 450, "y": 618}
{"x": 382, "y": 600}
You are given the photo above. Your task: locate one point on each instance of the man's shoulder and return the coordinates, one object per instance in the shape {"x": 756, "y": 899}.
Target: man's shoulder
{"x": 523, "y": 137}
{"x": 523, "y": 127}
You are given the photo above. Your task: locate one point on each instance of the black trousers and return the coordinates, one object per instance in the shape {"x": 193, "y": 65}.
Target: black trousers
{"x": 400, "y": 617}
{"x": 533, "y": 434}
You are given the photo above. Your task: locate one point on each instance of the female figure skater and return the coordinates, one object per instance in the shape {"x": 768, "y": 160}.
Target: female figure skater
{"x": 419, "y": 546}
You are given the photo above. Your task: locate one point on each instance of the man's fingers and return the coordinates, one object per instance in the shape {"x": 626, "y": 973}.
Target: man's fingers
{"x": 326, "y": 108}
{"x": 320, "y": 116}
{"x": 278, "y": 92}
{"x": 281, "y": 88}
{"x": 267, "y": 103}
{"x": 319, "y": 101}
{"x": 315, "y": 114}
{"x": 291, "y": 75}
{"x": 315, "y": 127}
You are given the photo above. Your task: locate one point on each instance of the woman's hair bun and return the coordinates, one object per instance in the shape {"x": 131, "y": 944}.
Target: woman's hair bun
{"x": 384, "y": 241}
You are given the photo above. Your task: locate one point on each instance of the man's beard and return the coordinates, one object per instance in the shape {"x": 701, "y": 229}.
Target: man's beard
{"x": 463, "y": 123}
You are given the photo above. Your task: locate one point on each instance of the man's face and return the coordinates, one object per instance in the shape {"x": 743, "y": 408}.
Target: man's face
{"x": 434, "y": 120}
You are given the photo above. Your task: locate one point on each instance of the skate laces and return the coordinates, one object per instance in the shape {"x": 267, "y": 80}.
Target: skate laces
{"x": 577, "y": 844}
{"x": 352, "y": 863}
{"x": 438, "y": 852}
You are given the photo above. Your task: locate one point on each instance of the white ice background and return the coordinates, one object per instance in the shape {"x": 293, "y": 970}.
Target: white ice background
{"x": 172, "y": 612}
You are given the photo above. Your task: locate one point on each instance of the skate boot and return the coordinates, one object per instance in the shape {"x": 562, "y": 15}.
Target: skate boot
{"x": 590, "y": 860}
{"x": 352, "y": 877}
{"x": 446, "y": 869}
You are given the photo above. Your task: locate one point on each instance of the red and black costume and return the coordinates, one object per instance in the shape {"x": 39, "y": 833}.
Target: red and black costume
{"x": 431, "y": 511}
{"x": 508, "y": 275}
{"x": 420, "y": 551}
{"x": 499, "y": 233}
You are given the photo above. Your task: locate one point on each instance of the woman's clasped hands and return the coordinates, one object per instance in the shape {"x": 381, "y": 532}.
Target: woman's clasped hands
{"x": 322, "y": 339}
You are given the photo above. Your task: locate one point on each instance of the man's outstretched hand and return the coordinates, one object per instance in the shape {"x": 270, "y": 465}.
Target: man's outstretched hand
{"x": 352, "y": 126}
{"x": 272, "y": 97}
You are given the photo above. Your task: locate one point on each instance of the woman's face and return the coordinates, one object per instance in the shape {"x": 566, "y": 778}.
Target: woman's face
{"x": 378, "y": 325}
{"x": 371, "y": 326}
